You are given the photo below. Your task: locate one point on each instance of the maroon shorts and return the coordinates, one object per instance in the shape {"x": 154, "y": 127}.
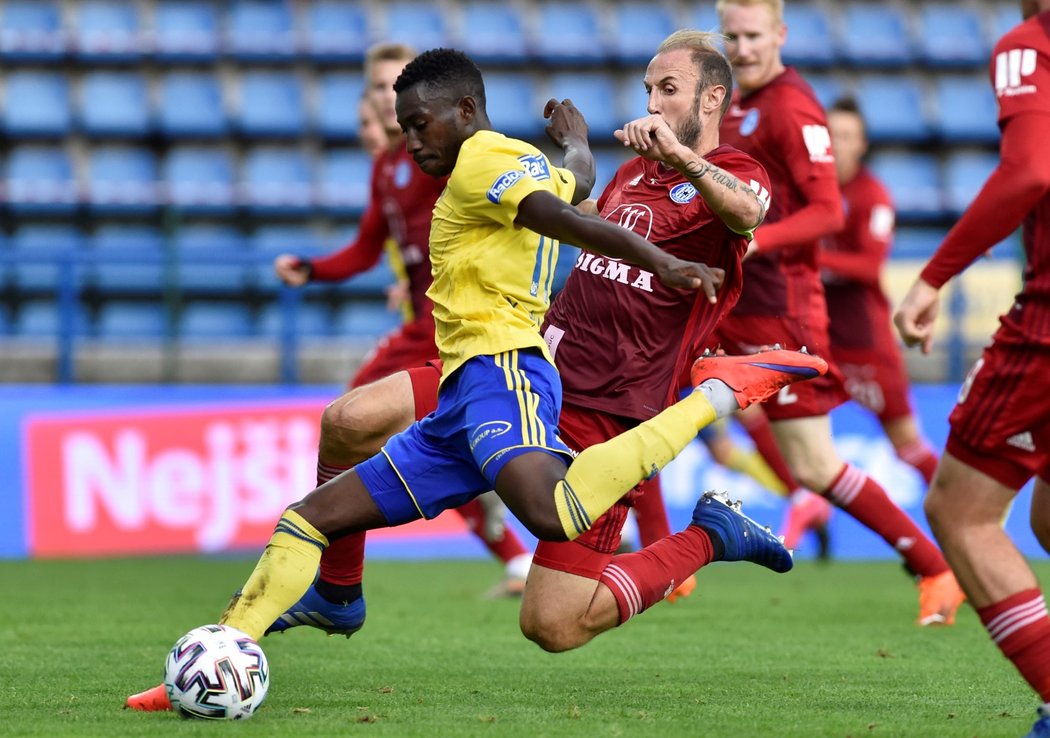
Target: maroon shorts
{"x": 411, "y": 345}
{"x": 1001, "y": 422}
{"x": 876, "y": 378}
{"x": 746, "y": 334}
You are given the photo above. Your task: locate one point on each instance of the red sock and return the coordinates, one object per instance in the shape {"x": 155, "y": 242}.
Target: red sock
{"x": 343, "y": 562}
{"x": 863, "y": 498}
{"x": 506, "y": 547}
{"x": 650, "y": 512}
{"x": 919, "y": 454}
{"x": 640, "y": 579}
{"x": 757, "y": 426}
{"x": 1020, "y": 627}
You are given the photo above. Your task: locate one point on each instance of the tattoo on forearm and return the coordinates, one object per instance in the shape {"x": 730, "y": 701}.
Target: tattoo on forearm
{"x": 695, "y": 170}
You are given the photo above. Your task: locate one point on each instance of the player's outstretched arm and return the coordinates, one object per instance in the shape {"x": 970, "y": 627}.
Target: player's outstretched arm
{"x": 568, "y": 130}
{"x": 550, "y": 216}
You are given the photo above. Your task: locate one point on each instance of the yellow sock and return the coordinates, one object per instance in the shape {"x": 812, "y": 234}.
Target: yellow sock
{"x": 285, "y": 571}
{"x": 604, "y": 473}
{"x": 752, "y": 464}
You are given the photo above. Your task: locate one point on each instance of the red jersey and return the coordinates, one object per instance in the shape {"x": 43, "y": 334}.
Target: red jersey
{"x": 401, "y": 204}
{"x": 783, "y": 126}
{"x": 851, "y": 262}
{"x": 619, "y": 337}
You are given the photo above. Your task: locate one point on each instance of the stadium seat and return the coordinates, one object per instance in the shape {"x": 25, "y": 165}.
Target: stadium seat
{"x": 336, "y": 31}
{"x": 421, "y": 25}
{"x": 810, "y": 40}
{"x": 269, "y": 241}
{"x": 131, "y": 320}
{"x": 6, "y": 321}
{"x": 107, "y": 31}
{"x": 876, "y": 34}
{"x": 637, "y": 28}
{"x": 370, "y": 284}
{"x": 36, "y": 104}
{"x": 952, "y": 35}
{"x": 40, "y": 180}
{"x": 200, "y": 180}
{"x": 260, "y": 30}
{"x": 127, "y": 259}
{"x": 309, "y": 319}
{"x": 191, "y": 105}
{"x": 914, "y": 182}
{"x": 567, "y": 33}
{"x": 965, "y": 173}
{"x": 212, "y": 259}
{"x": 271, "y": 105}
{"x": 494, "y": 33}
{"x": 344, "y": 179}
{"x": 42, "y": 319}
{"x": 702, "y": 16}
{"x": 606, "y": 162}
{"x": 338, "y": 94}
{"x": 122, "y": 180}
{"x": 185, "y": 31}
{"x": 828, "y": 89}
{"x": 966, "y": 110}
{"x": 276, "y": 181}
{"x": 114, "y": 104}
{"x": 893, "y": 108}
{"x": 211, "y": 320}
{"x": 917, "y": 243}
{"x": 594, "y": 93}
{"x": 43, "y": 254}
{"x": 31, "y": 31}
{"x": 513, "y": 104}
{"x": 1003, "y": 16}
{"x": 365, "y": 319}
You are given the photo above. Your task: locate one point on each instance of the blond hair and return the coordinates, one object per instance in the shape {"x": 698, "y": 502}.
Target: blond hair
{"x": 387, "y": 52}
{"x": 711, "y": 64}
{"x": 776, "y": 7}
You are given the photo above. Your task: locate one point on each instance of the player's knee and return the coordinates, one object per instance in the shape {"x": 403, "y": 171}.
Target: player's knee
{"x": 345, "y": 431}
{"x": 544, "y": 524}
{"x": 550, "y": 635}
{"x": 937, "y": 512}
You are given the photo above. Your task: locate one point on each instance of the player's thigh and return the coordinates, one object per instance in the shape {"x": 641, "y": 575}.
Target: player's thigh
{"x": 554, "y": 600}
{"x": 355, "y": 425}
{"x": 961, "y": 496}
{"x": 901, "y": 431}
{"x": 808, "y": 449}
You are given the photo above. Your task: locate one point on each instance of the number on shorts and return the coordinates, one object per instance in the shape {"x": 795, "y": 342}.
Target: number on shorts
{"x": 964, "y": 391}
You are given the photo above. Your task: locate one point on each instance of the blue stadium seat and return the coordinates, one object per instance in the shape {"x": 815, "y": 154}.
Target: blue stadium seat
{"x": 338, "y": 95}
{"x": 702, "y": 17}
{"x": 40, "y": 180}
{"x": 44, "y": 254}
{"x": 893, "y": 108}
{"x": 966, "y": 110}
{"x": 200, "y": 180}
{"x": 344, "y": 179}
{"x": 914, "y": 182}
{"x": 212, "y": 259}
{"x": 421, "y": 25}
{"x": 513, "y": 104}
{"x": 260, "y": 30}
{"x": 637, "y": 28}
{"x": 1003, "y": 16}
{"x": 31, "y": 31}
{"x": 122, "y": 180}
{"x": 42, "y": 319}
{"x": 965, "y": 173}
{"x": 191, "y": 105}
{"x": 186, "y": 31}
{"x": 365, "y": 319}
{"x": 6, "y": 321}
{"x": 271, "y": 105}
{"x": 952, "y": 35}
{"x": 494, "y": 33}
{"x": 606, "y": 163}
{"x": 916, "y": 242}
{"x": 36, "y": 104}
{"x": 131, "y": 320}
{"x": 127, "y": 258}
{"x": 210, "y": 320}
{"x": 277, "y": 181}
{"x": 633, "y": 100}
{"x": 827, "y": 88}
{"x": 876, "y": 34}
{"x": 592, "y": 93}
{"x": 337, "y": 31}
{"x": 107, "y": 31}
{"x": 114, "y": 104}
{"x": 810, "y": 40}
{"x": 370, "y": 284}
{"x": 568, "y": 33}
{"x": 269, "y": 241}
{"x": 310, "y": 320}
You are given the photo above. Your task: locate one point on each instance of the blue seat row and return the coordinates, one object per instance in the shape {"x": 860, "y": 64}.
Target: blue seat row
{"x": 923, "y": 187}
{"x": 573, "y": 31}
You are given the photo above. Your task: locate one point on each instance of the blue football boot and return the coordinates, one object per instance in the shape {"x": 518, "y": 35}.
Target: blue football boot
{"x": 345, "y": 618}
{"x": 1041, "y": 729}
{"x": 743, "y": 539}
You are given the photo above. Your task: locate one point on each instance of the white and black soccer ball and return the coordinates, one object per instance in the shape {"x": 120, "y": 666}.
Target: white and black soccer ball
{"x": 216, "y": 672}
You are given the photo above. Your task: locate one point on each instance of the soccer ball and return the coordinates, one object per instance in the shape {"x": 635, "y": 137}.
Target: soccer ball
{"x": 216, "y": 672}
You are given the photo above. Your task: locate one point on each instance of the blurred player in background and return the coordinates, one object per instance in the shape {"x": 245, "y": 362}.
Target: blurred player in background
{"x": 999, "y": 435}
{"x": 777, "y": 119}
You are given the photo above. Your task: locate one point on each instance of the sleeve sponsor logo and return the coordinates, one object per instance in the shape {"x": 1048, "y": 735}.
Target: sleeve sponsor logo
{"x": 503, "y": 183}
{"x": 683, "y": 193}
{"x": 818, "y": 143}
{"x": 763, "y": 194}
{"x": 536, "y": 166}
{"x": 1011, "y": 68}
{"x": 881, "y": 224}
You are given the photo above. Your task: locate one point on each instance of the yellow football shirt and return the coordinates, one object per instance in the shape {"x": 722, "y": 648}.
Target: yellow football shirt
{"x": 492, "y": 279}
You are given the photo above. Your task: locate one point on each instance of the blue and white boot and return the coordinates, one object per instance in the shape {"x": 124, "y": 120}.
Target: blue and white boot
{"x": 742, "y": 538}
{"x": 344, "y": 618}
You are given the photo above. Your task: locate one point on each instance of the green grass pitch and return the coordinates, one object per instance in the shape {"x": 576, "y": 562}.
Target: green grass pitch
{"x": 820, "y": 651}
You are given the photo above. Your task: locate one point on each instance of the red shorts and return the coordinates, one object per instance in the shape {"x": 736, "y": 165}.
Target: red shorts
{"x": 876, "y": 378}
{"x": 746, "y": 334}
{"x": 1001, "y": 422}
{"x": 409, "y": 346}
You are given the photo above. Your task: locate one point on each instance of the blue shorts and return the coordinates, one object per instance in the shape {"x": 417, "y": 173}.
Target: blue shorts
{"x": 492, "y": 409}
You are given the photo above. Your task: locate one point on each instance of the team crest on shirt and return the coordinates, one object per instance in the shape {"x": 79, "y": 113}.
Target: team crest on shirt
{"x": 683, "y": 193}
{"x": 749, "y": 123}
{"x": 536, "y": 166}
{"x": 503, "y": 183}
{"x": 402, "y": 175}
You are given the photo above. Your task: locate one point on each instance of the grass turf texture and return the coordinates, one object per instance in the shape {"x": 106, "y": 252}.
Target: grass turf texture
{"x": 820, "y": 651}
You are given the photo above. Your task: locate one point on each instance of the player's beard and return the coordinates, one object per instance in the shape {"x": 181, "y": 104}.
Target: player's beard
{"x": 689, "y": 131}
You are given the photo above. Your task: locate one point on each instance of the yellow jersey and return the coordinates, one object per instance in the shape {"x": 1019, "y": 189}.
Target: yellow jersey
{"x": 492, "y": 279}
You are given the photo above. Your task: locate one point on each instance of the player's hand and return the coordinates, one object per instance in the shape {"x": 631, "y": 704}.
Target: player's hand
{"x": 396, "y": 295}
{"x": 291, "y": 270}
{"x": 690, "y": 275}
{"x": 588, "y": 206}
{"x": 565, "y": 123}
{"x": 652, "y": 138}
{"x": 916, "y": 315}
